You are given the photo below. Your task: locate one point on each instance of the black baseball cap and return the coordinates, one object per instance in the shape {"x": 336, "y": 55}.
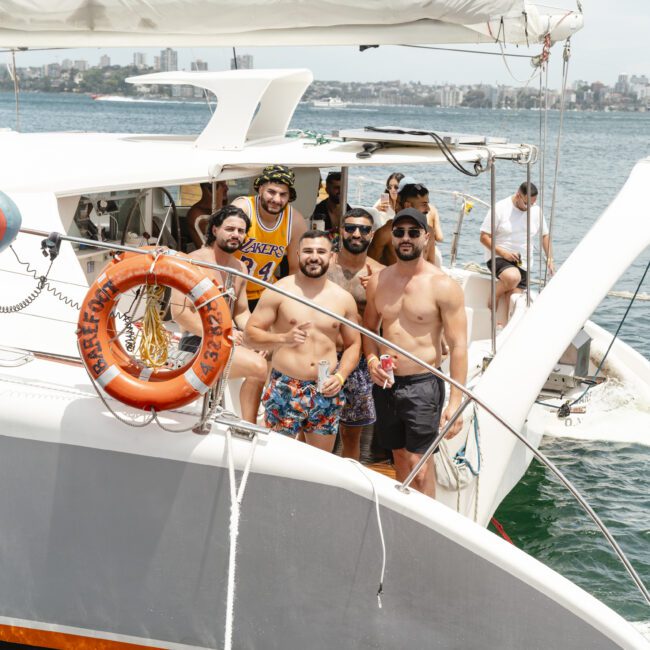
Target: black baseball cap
{"x": 415, "y": 215}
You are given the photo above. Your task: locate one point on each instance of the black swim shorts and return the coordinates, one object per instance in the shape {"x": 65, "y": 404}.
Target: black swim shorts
{"x": 502, "y": 264}
{"x": 408, "y": 413}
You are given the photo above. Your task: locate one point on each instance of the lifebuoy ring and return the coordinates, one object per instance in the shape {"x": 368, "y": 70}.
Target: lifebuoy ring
{"x": 103, "y": 355}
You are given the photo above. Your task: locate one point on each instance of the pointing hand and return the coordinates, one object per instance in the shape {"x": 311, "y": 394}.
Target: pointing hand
{"x": 297, "y": 335}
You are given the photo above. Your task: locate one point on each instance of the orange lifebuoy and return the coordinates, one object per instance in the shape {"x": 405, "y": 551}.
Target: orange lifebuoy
{"x": 103, "y": 356}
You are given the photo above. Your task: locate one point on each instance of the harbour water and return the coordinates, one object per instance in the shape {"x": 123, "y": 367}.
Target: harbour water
{"x": 598, "y": 151}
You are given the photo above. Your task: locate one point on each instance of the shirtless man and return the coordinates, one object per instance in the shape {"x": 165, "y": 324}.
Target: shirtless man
{"x": 410, "y": 195}
{"x": 226, "y": 232}
{"x": 414, "y": 302}
{"x": 300, "y": 337}
{"x": 275, "y": 228}
{"x": 351, "y": 269}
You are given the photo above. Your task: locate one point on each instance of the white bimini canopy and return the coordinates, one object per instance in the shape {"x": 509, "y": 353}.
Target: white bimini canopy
{"x": 211, "y": 23}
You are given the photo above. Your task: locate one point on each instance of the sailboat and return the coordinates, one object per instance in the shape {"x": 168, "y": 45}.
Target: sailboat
{"x": 189, "y": 528}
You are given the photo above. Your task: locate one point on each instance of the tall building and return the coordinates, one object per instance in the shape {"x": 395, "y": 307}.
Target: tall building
{"x": 139, "y": 60}
{"x": 199, "y": 66}
{"x": 105, "y": 61}
{"x": 66, "y": 64}
{"x": 156, "y": 63}
{"x": 241, "y": 62}
{"x": 81, "y": 65}
{"x": 168, "y": 60}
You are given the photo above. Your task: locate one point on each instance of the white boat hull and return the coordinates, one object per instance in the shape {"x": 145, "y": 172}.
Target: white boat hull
{"x": 120, "y": 533}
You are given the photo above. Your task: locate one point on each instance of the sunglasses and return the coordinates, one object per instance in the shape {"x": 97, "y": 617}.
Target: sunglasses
{"x": 392, "y": 187}
{"x": 352, "y": 228}
{"x": 413, "y": 233}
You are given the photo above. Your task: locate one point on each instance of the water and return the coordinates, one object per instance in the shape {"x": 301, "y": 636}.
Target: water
{"x": 598, "y": 153}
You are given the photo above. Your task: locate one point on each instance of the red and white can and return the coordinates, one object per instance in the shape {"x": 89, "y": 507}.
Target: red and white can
{"x": 387, "y": 365}
{"x": 323, "y": 374}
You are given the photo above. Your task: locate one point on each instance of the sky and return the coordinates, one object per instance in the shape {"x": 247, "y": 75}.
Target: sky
{"x": 612, "y": 41}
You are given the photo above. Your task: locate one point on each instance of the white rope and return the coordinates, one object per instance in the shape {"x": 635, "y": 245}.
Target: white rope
{"x": 236, "y": 497}
{"x": 164, "y": 224}
{"x": 361, "y": 468}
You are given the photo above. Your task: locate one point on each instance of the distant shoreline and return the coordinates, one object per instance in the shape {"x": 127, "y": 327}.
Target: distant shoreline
{"x": 349, "y": 104}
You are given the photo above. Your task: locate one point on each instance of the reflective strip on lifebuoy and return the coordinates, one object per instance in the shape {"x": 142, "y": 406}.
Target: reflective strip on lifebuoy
{"x": 114, "y": 370}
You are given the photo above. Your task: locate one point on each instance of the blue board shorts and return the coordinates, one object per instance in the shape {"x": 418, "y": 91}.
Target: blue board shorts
{"x": 294, "y": 405}
{"x": 359, "y": 408}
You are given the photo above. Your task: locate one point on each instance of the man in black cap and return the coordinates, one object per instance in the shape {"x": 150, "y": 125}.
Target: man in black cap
{"x": 275, "y": 229}
{"x": 416, "y": 303}
{"x": 410, "y": 194}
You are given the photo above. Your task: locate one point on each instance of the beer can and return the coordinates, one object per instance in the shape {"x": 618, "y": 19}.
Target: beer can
{"x": 323, "y": 374}
{"x": 387, "y": 365}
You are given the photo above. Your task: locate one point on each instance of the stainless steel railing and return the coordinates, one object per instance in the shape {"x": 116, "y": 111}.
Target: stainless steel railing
{"x": 469, "y": 395}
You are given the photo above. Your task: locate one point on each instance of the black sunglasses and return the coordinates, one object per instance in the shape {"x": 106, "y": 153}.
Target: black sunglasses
{"x": 413, "y": 233}
{"x": 351, "y": 228}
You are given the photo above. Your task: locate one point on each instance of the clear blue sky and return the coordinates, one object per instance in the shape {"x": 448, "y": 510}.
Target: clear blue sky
{"x": 612, "y": 41}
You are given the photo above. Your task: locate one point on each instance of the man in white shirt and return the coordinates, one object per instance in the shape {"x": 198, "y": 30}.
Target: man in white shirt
{"x": 510, "y": 241}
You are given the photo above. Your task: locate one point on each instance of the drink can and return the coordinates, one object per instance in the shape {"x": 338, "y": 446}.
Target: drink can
{"x": 387, "y": 365}
{"x": 323, "y": 374}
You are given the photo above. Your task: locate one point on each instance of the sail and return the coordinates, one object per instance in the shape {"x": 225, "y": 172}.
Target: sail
{"x": 212, "y": 23}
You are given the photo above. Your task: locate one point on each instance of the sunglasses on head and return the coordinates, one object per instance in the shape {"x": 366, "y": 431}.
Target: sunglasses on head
{"x": 413, "y": 233}
{"x": 351, "y": 228}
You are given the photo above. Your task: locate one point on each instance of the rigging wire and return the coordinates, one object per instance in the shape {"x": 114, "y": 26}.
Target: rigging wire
{"x": 566, "y": 55}
{"x": 453, "y": 49}
{"x": 14, "y": 77}
{"x": 618, "y": 329}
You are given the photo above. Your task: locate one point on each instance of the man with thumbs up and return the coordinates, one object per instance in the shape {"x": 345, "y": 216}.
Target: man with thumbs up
{"x": 300, "y": 338}
{"x": 351, "y": 268}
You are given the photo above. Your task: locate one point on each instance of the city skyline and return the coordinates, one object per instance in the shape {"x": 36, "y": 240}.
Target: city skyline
{"x": 607, "y": 46}
{"x": 611, "y": 42}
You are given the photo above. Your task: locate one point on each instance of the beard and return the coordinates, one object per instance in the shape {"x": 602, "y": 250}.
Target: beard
{"x": 355, "y": 246}
{"x": 408, "y": 255}
{"x": 314, "y": 273}
{"x": 228, "y": 246}
{"x": 271, "y": 209}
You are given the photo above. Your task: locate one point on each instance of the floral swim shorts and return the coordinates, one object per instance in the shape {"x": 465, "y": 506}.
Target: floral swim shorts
{"x": 359, "y": 408}
{"x": 294, "y": 405}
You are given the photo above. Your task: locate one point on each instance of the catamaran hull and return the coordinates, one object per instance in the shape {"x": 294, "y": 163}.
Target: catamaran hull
{"x": 123, "y": 534}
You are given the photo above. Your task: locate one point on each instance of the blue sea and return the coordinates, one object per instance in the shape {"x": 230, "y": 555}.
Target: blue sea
{"x": 598, "y": 151}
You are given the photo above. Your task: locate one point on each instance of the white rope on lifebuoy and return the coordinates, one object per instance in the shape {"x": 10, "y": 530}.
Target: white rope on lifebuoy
{"x": 236, "y": 497}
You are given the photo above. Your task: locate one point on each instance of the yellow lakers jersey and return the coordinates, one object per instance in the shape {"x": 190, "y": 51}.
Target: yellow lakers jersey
{"x": 264, "y": 247}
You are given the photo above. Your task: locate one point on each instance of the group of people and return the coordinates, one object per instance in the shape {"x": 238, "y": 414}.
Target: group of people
{"x": 322, "y": 376}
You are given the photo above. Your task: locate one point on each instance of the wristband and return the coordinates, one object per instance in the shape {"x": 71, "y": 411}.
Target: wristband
{"x": 370, "y": 357}
{"x": 339, "y": 376}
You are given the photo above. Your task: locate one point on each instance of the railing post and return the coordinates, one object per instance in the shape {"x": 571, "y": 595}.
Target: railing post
{"x": 493, "y": 255}
{"x": 434, "y": 445}
{"x": 528, "y": 235}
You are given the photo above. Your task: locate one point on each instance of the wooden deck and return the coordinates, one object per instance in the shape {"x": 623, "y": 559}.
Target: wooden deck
{"x": 384, "y": 468}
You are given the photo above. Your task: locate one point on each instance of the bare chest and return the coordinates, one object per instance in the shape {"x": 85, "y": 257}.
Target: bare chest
{"x": 412, "y": 300}
{"x": 349, "y": 280}
{"x": 293, "y": 313}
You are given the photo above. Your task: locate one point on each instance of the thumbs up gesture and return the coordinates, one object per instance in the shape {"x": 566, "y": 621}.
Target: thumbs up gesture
{"x": 364, "y": 279}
